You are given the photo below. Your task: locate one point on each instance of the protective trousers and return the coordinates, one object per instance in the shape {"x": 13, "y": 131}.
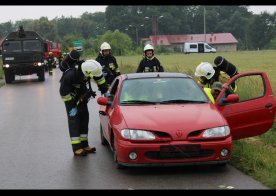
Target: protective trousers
{"x": 78, "y": 126}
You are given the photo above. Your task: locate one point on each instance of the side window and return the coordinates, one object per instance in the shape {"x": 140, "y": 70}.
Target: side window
{"x": 193, "y": 46}
{"x": 113, "y": 89}
{"x": 249, "y": 87}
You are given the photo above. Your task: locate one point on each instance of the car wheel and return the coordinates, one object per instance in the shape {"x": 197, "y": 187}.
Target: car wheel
{"x": 103, "y": 140}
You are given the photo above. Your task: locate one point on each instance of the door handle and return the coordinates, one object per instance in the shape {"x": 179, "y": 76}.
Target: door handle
{"x": 269, "y": 105}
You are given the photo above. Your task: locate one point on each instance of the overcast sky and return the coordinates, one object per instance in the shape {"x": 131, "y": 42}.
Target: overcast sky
{"x": 15, "y": 13}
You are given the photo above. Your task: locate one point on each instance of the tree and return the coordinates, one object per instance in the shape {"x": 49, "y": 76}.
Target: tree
{"x": 120, "y": 42}
{"x": 46, "y": 28}
{"x": 261, "y": 30}
{"x": 6, "y": 28}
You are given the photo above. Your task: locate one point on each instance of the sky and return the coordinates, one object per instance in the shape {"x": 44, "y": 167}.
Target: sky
{"x": 14, "y": 13}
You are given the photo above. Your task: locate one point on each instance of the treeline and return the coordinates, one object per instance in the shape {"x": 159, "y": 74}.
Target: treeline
{"x": 135, "y": 22}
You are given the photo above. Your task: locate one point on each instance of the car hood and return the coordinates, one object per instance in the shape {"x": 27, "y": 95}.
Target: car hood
{"x": 172, "y": 118}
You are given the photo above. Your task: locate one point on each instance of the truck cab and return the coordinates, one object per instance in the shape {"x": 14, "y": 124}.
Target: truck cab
{"x": 22, "y": 54}
{"x": 198, "y": 47}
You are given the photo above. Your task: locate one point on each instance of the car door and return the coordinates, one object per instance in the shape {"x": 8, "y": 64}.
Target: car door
{"x": 105, "y": 119}
{"x": 254, "y": 113}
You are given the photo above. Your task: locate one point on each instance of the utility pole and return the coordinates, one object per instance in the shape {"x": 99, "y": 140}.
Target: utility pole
{"x": 204, "y": 25}
{"x": 137, "y": 36}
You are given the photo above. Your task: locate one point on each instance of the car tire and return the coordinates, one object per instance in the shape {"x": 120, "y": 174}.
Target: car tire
{"x": 103, "y": 140}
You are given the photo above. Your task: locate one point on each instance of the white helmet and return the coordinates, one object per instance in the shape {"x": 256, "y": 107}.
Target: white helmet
{"x": 105, "y": 46}
{"x": 91, "y": 68}
{"x": 205, "y": 69}
{"x": 148, "y": 47}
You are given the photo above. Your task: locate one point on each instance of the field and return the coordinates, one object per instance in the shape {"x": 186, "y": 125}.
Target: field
{"x": 255, "y": 156}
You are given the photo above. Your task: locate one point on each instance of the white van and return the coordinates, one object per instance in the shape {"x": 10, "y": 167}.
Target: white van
{"x": 198, "y": 47}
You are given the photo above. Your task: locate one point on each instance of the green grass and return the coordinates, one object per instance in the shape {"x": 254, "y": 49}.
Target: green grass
{"x": 256, "y": 159}
{"x": 255, "y": 156}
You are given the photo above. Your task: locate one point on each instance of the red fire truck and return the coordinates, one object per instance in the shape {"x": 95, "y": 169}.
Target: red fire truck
{"x": 55, "y": 48}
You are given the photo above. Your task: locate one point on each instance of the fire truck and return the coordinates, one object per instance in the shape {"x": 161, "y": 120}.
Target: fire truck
{"x": 56, "y": 49}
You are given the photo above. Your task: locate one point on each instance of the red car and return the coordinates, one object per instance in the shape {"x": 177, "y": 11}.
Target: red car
{"x": 153, "y": 119}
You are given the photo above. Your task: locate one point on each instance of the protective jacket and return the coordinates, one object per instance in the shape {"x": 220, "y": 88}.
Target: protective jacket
{"x": 147, "y": 65}
{"x": 110, "y": 67}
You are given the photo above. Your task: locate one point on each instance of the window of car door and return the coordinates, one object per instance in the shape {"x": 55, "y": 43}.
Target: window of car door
{"x": 249, "y": 87}
{"x": 113, "y": 90}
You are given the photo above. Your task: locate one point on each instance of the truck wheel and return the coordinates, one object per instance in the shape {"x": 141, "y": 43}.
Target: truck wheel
{"x": 9, "y": 76}
{"x": 41, "y": 74}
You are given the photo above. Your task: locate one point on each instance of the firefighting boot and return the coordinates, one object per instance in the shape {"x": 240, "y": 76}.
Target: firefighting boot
{"x": 80, "y": 152}
{"x": 88, "y": 149}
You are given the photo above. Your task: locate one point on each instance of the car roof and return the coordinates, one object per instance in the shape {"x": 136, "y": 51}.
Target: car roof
{"x": 155, "y": 75}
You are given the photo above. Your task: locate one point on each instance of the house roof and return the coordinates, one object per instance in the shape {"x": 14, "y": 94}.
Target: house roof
{"x": 214, "y": 38}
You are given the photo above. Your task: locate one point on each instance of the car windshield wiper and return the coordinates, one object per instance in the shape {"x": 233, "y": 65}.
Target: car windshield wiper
{"x": 137, "y": 102}
{"x": 181, "y": 101}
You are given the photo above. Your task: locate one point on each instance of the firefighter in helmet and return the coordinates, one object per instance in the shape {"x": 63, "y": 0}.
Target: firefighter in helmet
{"x": 76, "y": 91}
{"x": 70, "y": 60}
{"x": 222, "y": 72}
{"x": 149, "y": 63}
{"x": 108, "y": 63}
{"x": 50, "y": 63}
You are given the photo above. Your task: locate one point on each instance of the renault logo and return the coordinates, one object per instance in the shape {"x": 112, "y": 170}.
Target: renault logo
{"x": 179, "y": 133}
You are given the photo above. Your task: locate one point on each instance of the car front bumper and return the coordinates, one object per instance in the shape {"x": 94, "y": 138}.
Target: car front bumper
{"x": 150, "y": 154}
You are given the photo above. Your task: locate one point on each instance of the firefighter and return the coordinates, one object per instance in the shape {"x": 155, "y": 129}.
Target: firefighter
{"x": 149, "y": 63}
{"x": 50, "y": 63}
{"x": 108, "y": 63}
{"x": 214, "y": 91}
{"x": 76, "y": 94}
{"x": 222, "y": 72}
{"x": 70, "y": 60}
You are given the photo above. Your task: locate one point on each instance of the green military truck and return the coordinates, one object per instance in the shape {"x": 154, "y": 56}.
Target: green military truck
{"x": 22, "y": 54}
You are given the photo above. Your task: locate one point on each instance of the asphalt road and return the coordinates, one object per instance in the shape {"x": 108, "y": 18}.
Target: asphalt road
{"x": 35, "y": 149}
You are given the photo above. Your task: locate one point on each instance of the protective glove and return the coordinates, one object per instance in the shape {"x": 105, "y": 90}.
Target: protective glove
{"x": 118, "y": 73}
{"x": 73, "y": 112}
{"x": 103, "y": 88}
{"x": 87, "y": 95}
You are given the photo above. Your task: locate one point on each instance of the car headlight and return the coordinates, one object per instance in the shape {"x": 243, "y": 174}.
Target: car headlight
{"x": 137, "y": 134}
{"x": 6, "y": 65}
{"x": 39, "y": 63}
{"x": 217, "y": 132}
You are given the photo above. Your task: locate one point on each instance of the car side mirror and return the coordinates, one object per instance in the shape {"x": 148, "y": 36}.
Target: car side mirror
{"x": 102, "y": 101}
{"x": 232, "y": 98}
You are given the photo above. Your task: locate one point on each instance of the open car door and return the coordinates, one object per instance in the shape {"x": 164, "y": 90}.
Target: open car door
{"x": 250, "y": 110}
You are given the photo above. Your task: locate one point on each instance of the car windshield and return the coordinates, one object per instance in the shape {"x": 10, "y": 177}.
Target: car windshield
{"x": 32, "y": 45}
{"x": 161, "y": 91}
{"x": 12, "y": 46}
